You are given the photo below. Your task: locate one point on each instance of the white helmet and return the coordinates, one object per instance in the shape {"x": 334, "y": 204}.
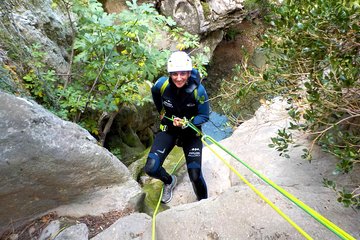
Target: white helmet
{"x": 179, "y": 61}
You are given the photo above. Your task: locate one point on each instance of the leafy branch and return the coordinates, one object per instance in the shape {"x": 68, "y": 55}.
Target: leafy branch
{"x": 312, "y": 49}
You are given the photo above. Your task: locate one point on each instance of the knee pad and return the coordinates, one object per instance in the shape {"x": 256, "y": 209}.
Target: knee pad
{"x": 152, "y": 164}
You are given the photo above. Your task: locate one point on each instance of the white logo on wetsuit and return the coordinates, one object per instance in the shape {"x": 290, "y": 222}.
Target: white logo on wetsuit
{"x": 168, "y": 103}
{"x": 161, "y": 151}
{"x": 190, "y": 104}
{"x": 194, "y": 152}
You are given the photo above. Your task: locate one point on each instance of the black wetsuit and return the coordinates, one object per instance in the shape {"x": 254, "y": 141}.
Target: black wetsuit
{"x": 190, "y": 101}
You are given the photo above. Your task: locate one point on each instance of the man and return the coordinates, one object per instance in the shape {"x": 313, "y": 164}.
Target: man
{"x": 178, "y": 97}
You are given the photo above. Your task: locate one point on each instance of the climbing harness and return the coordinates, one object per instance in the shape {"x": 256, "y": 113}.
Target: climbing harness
{"x": 318, "y": 217}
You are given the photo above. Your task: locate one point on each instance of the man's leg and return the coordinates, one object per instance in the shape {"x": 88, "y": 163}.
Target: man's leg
{"x": 163, "y": 144}
{"x": 193, "y": 153}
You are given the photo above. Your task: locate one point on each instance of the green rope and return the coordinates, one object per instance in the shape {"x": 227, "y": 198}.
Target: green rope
{"x": 328, "y": 224}
{"x": 318, "y": 217}
{"x": 262, "y": 196}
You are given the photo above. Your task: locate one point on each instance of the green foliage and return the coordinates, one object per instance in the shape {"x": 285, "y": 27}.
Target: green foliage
{"x": 200, "y": 60}
{"x": 346, "y": 197}
{"x": 281, "y": 142}
{"x": 185, "y": 40}
{"x": 231, "y": 34}
{"x": 113, "y": 60}
{"x": 317, "y": 44}
{"x": 313, "y": 61}
{"x": 41, "y": 82}
{"x": 241, "y": 94}
{"x": 116, "y": 152}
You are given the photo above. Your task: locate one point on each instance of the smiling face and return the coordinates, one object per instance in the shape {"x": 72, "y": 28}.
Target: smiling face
{"x": 180, "y": 78}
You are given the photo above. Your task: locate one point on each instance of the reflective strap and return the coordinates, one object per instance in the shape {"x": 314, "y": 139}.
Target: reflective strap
{"x": 163, "y": 87}
{"x": 196, "y": 94}
{"x": 163, "y": 127}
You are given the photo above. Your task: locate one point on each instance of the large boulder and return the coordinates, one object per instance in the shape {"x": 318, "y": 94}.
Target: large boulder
{"x": 48, "y": 163}
{"x": 207, "y": 19}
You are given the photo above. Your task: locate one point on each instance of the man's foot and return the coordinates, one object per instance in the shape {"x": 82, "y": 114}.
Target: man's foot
{"x": 168, "y": 188}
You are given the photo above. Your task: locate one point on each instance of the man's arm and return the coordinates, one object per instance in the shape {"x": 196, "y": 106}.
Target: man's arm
{"x": 156, "y": 93}
{"x": 203, "y": 107}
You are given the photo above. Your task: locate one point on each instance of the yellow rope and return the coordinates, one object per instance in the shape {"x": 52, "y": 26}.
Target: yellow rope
{"x": 331, "y": 226}
{"x": 299, "y": 229}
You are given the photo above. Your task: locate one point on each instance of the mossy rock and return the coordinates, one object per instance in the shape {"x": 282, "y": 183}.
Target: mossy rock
{"x": 153, "y": 188}
{"x": 206, "y": 9}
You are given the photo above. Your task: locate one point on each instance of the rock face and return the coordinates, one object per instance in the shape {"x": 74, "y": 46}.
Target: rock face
{"x": 46, "y": 162}
{"x": 26, "y": 23}
{"x": 131, "y": 132}
{"x": 206, "y": 18}
{"x": 200, "y": 17}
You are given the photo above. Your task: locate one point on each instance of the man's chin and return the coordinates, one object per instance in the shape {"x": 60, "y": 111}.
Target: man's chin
{"x": 179, "y": 85}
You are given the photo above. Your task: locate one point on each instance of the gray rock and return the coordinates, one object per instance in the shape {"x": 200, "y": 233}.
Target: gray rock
{"x": 75, "y": 232}
{"x": 38, "y": 23}
{"x": 131, "y": 133}
{"x": 239, "y": 213}
{"x": 50, "y": 231}
{"x": 46, "y": 163}
{"x": 200, "y": 17}
{"x": 135, "y": 226}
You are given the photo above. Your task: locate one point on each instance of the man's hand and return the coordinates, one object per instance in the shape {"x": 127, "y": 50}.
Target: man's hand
{"x": 178, "y": 122}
